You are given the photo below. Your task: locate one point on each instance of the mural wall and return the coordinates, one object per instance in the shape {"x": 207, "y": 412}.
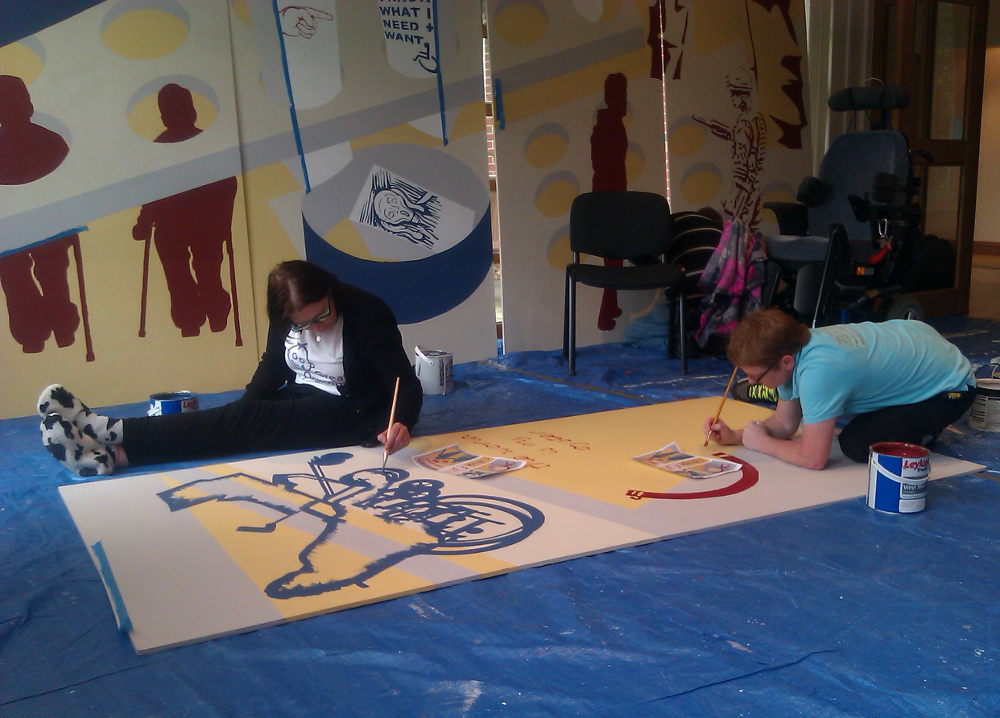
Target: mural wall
{"x": 736, "y": 105}
{"x": 379, "y": 171}
{"x": 578, "y": 110}
{"x": 160, "y": 156}
{"x": 124, "y": 256}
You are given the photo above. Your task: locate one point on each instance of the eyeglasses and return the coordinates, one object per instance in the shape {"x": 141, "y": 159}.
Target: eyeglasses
{"x": 318, "y": 318}
{"x": 765, "y": 373}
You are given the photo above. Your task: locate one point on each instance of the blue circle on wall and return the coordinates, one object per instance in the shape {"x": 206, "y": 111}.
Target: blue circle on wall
{"x": 417, "y": 283}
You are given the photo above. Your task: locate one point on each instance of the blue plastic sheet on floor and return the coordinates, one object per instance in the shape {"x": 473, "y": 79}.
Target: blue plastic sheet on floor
{"x": 834, "y": 611}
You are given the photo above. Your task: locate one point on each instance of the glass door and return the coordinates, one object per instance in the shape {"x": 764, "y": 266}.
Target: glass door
{"x": 936, "y": 50}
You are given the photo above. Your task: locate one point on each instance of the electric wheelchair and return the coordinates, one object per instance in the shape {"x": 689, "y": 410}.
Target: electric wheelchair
{"x": 851, "y": 246}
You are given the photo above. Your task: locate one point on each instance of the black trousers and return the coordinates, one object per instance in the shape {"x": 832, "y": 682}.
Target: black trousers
{"x": 919, "y": 423}
{"x": 299, "y": 418}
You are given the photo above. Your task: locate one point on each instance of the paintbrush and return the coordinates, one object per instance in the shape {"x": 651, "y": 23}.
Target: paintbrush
{"x": 392, "y": 417}
{"x": 721, "y": 403}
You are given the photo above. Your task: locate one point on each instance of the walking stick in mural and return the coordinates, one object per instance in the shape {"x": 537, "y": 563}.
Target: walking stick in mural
{"x": 78, "y": 257}
{"x": 232, "y": 290}
{"x": 145, "y": 287}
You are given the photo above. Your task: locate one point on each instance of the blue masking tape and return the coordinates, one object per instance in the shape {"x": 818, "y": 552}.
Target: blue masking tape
{"x": 440, "y": 78}
{"x": 291, "y": 98}
{"x": 121, "y": 614}
{"x": 500, "y": 122}
{"x": 75, "y": 230}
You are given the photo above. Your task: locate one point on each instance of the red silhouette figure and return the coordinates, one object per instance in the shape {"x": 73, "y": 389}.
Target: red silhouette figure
{"x": 608, "y": 146}
{"x": 189, "y": 230}
{"x": 34, "y": 279}
{"x": 27, "y": 151}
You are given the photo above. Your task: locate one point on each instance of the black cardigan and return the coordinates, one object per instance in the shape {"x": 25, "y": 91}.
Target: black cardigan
{"x": 373, "y": 358}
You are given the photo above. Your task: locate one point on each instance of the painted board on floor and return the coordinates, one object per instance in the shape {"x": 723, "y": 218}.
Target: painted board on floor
{"x": 205, "y": 552}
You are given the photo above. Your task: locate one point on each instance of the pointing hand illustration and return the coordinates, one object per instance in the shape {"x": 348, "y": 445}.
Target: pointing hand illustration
{"x": 300, "y": 21}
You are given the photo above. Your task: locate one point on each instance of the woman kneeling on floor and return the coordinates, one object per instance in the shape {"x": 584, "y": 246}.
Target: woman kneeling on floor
{"x": 326, "y": 379}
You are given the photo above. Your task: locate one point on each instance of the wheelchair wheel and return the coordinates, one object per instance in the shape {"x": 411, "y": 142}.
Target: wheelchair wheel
{"x": 905, "y": 308}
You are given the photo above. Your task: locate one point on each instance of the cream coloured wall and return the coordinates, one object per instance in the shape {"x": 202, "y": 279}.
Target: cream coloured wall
{"x": 988, "y": 191}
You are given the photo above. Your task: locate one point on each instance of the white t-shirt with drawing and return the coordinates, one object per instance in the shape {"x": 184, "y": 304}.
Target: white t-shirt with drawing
{"x": 317, "y": 358}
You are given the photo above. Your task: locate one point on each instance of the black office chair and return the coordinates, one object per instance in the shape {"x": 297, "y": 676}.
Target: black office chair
{"x": 632, "y": 226}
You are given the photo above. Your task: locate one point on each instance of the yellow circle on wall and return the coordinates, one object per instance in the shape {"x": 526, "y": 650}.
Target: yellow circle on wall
{"x": 700, "y": 187}
{"x": 144, "y": 34}
{"x": 634, "y": 164}
{"x": 686, "y": 140}
{"x": 556, "y": 197}
{"x": 521, "y": 23}
{"x": 610, "y": 10}
{"x": 144, "y": 118}
{"x": 559, "y": 252}
{"x": 545, "y": 150}
{"x": 241, "y": 11}
{"x": 20, "y": 60}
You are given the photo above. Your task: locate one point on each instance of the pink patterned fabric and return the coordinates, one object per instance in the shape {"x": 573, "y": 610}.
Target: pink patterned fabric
{"x": 732, "y": 280}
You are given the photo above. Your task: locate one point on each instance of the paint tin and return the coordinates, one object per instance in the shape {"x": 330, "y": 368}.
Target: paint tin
{"x": 172, "y": 402}
{"x": 985, "y": 412}
{"x": 433, "y": 368}
{"x": 897, "y": 477}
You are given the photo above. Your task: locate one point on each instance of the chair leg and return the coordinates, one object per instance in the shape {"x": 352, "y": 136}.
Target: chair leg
{"x": 572, "y": 327}
{"x": 683, "y": 328}
{"x": 671, "y": 324}
{"x": 565, "y": 346}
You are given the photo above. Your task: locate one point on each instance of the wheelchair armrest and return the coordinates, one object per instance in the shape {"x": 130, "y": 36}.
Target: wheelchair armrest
{"x": 793, "y": 217}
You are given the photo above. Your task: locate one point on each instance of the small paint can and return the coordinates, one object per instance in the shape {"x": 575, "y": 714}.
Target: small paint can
{"x": 433, "y": 368}
{"x": 172, "y": 402}
{"x": 897, "y": 477}
{"x": 985, "y": 414}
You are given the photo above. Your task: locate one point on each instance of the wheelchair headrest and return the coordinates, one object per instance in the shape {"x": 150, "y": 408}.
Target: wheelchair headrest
{"x": 813, "y": 192}
{"x": 881, "y": 97}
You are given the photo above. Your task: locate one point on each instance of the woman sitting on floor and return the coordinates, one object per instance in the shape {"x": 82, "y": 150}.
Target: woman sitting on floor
{"x": 326, "y": 379}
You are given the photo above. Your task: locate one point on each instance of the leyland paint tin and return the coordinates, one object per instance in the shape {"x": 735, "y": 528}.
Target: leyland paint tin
{"x": 897, "y": 477}
{"x": 172, "y": 402}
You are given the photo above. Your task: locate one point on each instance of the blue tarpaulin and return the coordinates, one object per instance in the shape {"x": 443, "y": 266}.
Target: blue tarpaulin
{"x": 833, "y": 611}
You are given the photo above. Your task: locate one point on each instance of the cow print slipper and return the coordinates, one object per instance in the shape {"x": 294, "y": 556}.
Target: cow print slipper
{"x": 74, "y": 451}
{"x": 57, "y": 399}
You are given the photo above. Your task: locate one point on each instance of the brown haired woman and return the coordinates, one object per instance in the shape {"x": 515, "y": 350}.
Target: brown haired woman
{"x": 325, "y": 379}
{"x": 900, "y": 381}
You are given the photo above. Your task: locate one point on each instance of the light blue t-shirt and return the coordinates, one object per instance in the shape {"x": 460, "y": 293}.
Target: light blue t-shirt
{"x": 851, "y": 369}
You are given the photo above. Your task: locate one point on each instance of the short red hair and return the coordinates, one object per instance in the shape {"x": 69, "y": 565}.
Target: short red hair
{"x": 763, "y": 337}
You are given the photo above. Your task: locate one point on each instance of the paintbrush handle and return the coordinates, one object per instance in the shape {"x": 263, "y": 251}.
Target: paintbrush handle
{"x": 718, "y": 413}
{"x": 392, "y": 418}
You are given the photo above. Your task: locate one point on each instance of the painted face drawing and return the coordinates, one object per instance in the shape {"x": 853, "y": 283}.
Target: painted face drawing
{"x": 391, "y": 208}
{"x": 402, "y": 209}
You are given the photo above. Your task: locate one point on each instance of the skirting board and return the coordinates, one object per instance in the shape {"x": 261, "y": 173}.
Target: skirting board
{"x": 216, "y": 550}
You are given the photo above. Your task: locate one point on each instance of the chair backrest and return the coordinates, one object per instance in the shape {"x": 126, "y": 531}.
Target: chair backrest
{"x": 849, "y": 167}
{"x": 693, "y": 239}
{"x": 619, "y": 225}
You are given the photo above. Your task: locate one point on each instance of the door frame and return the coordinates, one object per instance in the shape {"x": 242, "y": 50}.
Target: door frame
{"x": 965, "y": 152}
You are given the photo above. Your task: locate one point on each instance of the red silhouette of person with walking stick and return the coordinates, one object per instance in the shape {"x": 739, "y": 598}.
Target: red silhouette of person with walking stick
{"x": 34, "y": 279}
{"x": 608, "y": 146}
{"x": 189, "y": 230}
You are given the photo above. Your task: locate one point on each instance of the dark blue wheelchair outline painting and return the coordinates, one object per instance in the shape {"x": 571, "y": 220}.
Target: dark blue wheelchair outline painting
{"x": 455, "y": 523}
